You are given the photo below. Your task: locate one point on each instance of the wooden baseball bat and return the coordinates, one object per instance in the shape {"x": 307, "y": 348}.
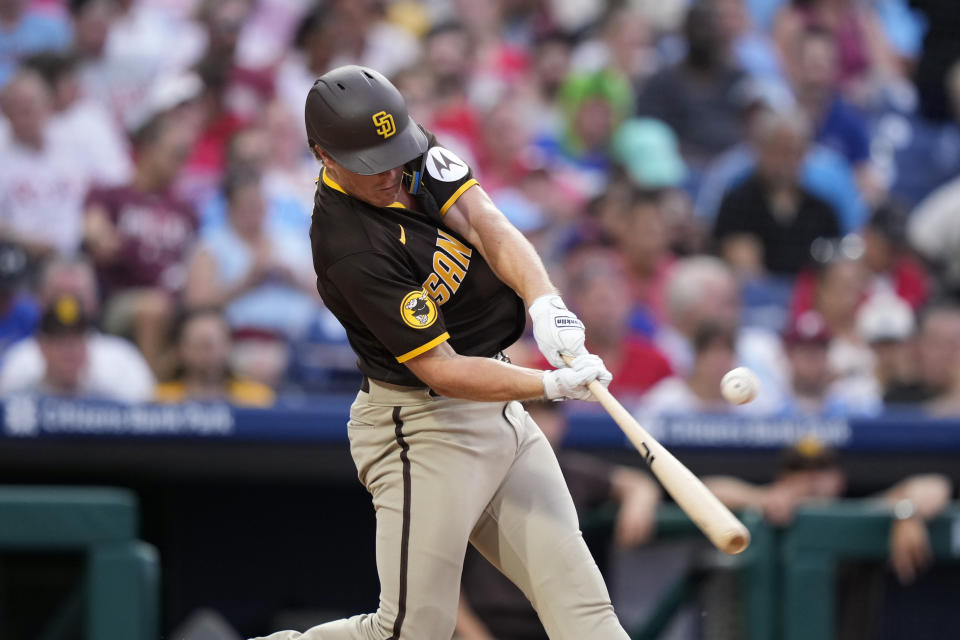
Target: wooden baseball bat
{"x": 723, "y": 528}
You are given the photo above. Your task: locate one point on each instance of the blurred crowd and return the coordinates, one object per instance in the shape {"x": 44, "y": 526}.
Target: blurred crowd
{"x": 772, "y": 183}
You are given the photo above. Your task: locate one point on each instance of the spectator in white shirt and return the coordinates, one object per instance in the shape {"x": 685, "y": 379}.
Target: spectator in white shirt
{"x": 887, "y": 323}
{"x": 84, "y": 121}
{"x": 43, "y": 177}
{"x": 98, "y": 365}
{"x": 115, "y": 71}
{"x": 62, "y": 344}
{"x": 934, "y": 231}
{"x": 697, "y": 391}
{"x": 143, "y": 31}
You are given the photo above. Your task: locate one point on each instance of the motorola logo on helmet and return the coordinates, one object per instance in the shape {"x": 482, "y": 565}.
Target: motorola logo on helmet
{"x": 360, "y": 119}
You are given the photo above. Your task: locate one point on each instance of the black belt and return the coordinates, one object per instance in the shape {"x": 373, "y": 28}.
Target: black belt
{"x": 365, "y": 383}
{"x": 365, "y": 387}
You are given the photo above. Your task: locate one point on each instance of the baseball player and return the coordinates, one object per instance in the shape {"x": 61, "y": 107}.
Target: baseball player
{"x": 431, "y": 283}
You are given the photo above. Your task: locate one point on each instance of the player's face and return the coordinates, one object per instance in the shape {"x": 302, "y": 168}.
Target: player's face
{"x": 380, "y": 189}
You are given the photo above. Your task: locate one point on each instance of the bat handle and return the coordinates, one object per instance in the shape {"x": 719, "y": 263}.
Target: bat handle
{"x": 599, "y": 391}
{"x": 616, "y": 410}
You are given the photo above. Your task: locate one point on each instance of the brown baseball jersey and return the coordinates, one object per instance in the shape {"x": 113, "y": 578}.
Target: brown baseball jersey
{"x": 401, "y": 281}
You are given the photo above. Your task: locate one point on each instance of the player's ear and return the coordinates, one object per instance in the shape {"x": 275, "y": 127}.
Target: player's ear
{"x": 319, "y": 153}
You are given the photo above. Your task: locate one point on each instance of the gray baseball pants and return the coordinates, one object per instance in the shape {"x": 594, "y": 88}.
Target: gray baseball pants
{"x": 443, "y": 472}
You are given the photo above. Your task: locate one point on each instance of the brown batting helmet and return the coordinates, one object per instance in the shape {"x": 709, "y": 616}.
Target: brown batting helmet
{"x": 360, "y": 119}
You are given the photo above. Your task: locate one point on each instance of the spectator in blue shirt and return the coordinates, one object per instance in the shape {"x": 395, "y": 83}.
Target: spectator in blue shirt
{"x": 24, "y": 31}
{"x": 838, "y": 125}
{"x": 928, "y": 157}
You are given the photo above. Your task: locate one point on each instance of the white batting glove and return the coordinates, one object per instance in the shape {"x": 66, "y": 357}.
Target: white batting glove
{"x": 571, "y": 382}
{"x": 556, "y": 329}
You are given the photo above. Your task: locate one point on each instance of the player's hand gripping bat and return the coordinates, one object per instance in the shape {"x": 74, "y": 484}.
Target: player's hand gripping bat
{"x": 707, "y": 512}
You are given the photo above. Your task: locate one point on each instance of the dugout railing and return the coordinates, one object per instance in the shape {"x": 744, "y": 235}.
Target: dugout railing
{"x": 786, "y": 579}
{"x": 821, "y": 537}
{"x": 118, "y": 597}
{"x": 754, "y": 570}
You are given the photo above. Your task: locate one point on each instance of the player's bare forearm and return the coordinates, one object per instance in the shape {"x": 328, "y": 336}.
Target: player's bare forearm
{"x": 639, "y": 496}
{"x": 480, "y": 379}
{"x": 929, "y": 493}
{"x": 510, "y": 255}
{"x": 735, "y": 493}
{"x": 627, "y": 484}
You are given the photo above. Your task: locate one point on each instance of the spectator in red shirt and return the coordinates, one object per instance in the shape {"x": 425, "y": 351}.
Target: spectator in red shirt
{"x": 233, "y": 96}
{"x": 893, "y": 269}
{"x": 840, "y": 290}
{"x": 218, "y": 123}
{"x": 138, "y": 235}
{"x": 449, "y": 53}
{"x": 890, "y": 268}
{"x": 505, "y": 147}
{"x": 642, "y": 235}
{"x": 247, "y": 89}
{"x": 599, "y": 291}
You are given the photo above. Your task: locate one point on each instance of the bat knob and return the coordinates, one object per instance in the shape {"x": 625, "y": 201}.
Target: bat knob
{"x": 736, "y": 543}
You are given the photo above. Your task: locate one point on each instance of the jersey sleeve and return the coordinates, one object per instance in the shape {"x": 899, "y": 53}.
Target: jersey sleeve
{"x": 390, "y": 303}
{"x": 444, "y": 175}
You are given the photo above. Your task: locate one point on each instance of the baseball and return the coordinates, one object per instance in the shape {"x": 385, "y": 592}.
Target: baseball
{"x": 739, "y": 386}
